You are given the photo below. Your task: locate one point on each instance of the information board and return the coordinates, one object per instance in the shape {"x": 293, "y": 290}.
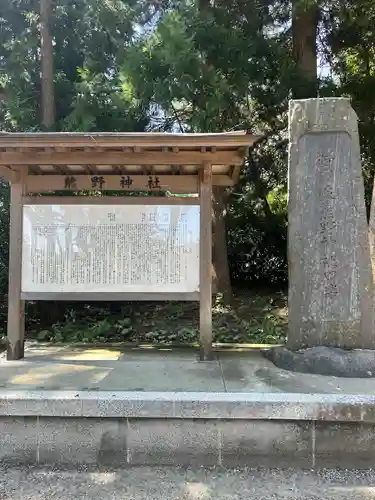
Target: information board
{"x": 106, "y": 248}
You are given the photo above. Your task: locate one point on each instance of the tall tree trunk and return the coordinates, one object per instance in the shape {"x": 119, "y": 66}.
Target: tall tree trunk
{"x": 219, "y": 201}
{"x": 48, "y": 310}
{"x": 220, "y": 250}
{"x": 46, "y": 53}
{"x": 304, "y": 28}
{"x": 203, "y": 5}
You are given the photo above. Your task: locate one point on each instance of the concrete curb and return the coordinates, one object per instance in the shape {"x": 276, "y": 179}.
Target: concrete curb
{"x": 189, "y": 405}
{"x": 121, "y": 429}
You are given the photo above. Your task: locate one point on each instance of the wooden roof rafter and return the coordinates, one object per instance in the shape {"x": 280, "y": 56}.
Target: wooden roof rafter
{"x": 126, "y": 140}
{"x": 110, "y": 157}
{"x": 160, "y": 154}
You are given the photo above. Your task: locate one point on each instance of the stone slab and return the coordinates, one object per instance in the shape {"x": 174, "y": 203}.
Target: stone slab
{"x": 173, "y": 442}
{"x": 103, "y": 369}
{"x": 91, "y": 442}
{"x": 347, "y": 444}
{"x": 119, "y": 443}
{"x": 77, "y": 441}
{"x": 189, "y": 405}
{"x": 353, "y": 363}
{"x": 252, "y": 372}
{"x": 40, "y": 403}
{"x": 247, "y": 372}
{"x": 18, "y": 440}
{"x": 266, "y": 444}
{"x": 330, "y": 280}
{"x": 128, "y": 404}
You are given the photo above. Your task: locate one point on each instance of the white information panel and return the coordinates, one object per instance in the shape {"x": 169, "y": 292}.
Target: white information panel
{"x": 106, "y": 248}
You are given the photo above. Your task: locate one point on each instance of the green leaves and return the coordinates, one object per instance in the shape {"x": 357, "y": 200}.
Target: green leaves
{"x": 350, "y": 41}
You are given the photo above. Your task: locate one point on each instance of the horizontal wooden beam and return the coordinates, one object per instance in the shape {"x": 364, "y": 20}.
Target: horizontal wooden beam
{"x": 110, "y": 200}
{"x": 113, "y": 139}
{"x": 126, "y": 183}
{"x": 119, "y": 158}
{"x": 111, "y": 296}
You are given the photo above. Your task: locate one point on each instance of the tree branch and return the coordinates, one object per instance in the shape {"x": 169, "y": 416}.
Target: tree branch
{"x": 177, "y": 119}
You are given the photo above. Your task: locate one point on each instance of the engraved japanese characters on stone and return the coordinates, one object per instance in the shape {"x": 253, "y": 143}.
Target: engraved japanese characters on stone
{"x": 330, "y": 283}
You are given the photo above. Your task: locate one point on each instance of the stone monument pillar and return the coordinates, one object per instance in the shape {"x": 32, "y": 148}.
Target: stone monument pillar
{"x": 372, "y": 236}
{"x": 330, "y": 280}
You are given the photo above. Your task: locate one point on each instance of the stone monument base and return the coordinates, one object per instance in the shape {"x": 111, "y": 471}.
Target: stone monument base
{"x": 351, "y": 363}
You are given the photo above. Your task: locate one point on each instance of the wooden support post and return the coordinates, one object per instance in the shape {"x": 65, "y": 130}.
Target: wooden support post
{"x": 205, "y": 263}
{"x": 16, "y": 306}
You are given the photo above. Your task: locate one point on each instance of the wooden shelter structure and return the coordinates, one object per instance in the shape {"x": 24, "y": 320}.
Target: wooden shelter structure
{"x": 178, "y": 163}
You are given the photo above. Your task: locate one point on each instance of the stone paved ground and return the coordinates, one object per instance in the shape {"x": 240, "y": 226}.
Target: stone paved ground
{"x": 177, "y": 484}
{"x": 110, "y": 369}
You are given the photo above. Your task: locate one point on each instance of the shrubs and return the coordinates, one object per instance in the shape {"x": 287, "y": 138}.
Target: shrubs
{"x": 251, "y": 319}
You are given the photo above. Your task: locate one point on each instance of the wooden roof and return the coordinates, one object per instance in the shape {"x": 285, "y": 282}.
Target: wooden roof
{"x": 107, "y": 139}
{"x": 82, "y": 154}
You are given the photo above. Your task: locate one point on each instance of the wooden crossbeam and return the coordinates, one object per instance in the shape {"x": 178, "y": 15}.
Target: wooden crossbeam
{"x": 110, "y": 200}
{"x": 126, "y": 140}
{"x": 71, "y": 182}
{"x": 119, "y": 158}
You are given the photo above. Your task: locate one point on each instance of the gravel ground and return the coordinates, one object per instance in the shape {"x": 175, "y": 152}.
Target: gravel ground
{"x": 146, "y": 483}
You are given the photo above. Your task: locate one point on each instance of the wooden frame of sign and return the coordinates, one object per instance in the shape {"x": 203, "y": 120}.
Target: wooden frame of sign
{"x": 180, "y": 164}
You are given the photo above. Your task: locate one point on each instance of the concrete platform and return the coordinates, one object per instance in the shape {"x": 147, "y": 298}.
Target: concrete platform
{"x": 113, "y": 369}
{"x": 76, "y": 407}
